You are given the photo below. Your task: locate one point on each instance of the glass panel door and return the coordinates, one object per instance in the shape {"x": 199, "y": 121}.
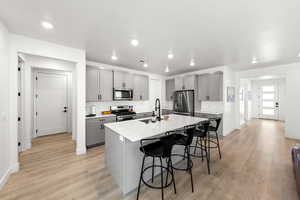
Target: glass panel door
{"x": 268, "y": 98}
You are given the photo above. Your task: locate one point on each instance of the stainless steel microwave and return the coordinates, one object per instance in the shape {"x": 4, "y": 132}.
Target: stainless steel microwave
{"x": 122, "y": 94}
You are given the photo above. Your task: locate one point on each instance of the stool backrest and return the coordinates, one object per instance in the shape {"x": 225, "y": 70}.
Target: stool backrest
{"x": 204, "y": 126}
{"x": 189, "y": 131}
{"x": 217, "y": 123}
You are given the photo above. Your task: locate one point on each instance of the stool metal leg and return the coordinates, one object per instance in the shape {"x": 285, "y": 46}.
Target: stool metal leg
{"x": 141, "y": 176}
{"x": 207, "y": 146}
{"x": 190, "y": 168}
{"x": 162, "y": 179}
{"x": 152, "y": 169}
{"x": 172, "y": 172}
{"x": 217, "y": 136}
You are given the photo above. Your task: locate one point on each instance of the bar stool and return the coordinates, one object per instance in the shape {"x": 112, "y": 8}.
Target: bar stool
{"x": 202, "y": 143}
{"x": 185, "y": 140}
{"x": 160, "y": 148}
{"x": 213, "y": 127}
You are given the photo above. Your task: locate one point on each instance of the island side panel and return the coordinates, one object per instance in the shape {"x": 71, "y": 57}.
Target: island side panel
{"x": 114, "y": 157}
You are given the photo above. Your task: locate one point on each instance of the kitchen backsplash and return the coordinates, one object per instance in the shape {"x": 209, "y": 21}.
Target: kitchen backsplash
{"x": 138, "y": 106}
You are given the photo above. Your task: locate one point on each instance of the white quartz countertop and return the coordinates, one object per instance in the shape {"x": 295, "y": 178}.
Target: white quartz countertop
{"x": 101, "y": 116}
{"x": 135, "y": 130}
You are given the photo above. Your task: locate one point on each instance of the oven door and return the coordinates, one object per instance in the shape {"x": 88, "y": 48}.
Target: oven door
{"x": 122, "y": 95}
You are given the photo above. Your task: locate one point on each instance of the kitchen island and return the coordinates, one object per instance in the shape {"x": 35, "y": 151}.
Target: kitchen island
{"x": 122, "y": 143}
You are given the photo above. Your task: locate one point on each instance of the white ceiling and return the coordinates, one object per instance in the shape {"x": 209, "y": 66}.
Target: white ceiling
{"x": 213, "y": 32}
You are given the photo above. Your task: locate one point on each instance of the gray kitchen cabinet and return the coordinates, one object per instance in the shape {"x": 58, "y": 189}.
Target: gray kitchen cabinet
{"x": 141, "y": 87}
{"x": 185, "y": 82}
{"x": 106, "y": 85}
{"x": 170, "y": 88}
{"x": 210, "y": 87}
{"x": 179, "y": 85}
{"x": 95, "y": 131}
{"x": 98, "y": 85}
{"x": 216, "y": 87}
{"x": 92, "y": 85}
{"x": 189, "y": 82}
{"x": 123, "y": 80}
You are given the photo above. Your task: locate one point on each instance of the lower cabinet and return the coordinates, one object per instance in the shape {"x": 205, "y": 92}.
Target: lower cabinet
{"x": 95, "y": 131}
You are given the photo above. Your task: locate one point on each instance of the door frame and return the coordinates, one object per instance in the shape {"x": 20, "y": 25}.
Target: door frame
{"x": 68, "y": 92}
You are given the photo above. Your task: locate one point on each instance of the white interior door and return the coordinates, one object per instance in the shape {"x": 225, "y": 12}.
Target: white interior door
{"x": 268, "y": 102}
{"x": 51, "y": 103}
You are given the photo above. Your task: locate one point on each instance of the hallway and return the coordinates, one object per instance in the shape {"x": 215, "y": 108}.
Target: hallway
{"x": 256, "y": 164}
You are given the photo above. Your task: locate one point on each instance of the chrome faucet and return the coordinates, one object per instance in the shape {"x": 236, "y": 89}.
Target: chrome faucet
{"x": 157, "y": 107}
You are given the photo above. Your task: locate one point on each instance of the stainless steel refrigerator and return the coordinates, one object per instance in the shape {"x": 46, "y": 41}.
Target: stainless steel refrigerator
{"x": 184, "y": 102}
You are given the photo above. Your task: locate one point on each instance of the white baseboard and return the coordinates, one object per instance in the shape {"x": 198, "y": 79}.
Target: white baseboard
{"x": 80, "y": 151}
{"x": 15, "y": 167}
{"x": 4, "y": 179}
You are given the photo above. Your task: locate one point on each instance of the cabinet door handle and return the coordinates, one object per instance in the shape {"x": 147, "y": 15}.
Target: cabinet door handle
{"x": 141, "y": 97}
{"x": 100, "y": 96}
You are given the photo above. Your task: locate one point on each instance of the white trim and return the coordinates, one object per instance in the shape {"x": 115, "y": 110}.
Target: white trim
{"x": 4, "y": 178}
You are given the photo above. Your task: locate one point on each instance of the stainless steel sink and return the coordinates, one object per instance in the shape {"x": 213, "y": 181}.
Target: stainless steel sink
{"x": 147, "y": 121}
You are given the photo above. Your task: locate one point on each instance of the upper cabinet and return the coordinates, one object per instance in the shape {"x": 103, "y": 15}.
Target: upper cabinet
{"x": 179, "y": 83}
{"x": 140, "y": 87}
{"x": 185, "y": 82}
{"x": 210, "y": 87}
{"x": 170, "y": 88}
{"x": 98, "y": 84}
{"x": 123, "y": 80}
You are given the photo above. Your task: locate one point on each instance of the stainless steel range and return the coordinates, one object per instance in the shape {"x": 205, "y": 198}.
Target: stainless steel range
{"x": 123, "y": 112}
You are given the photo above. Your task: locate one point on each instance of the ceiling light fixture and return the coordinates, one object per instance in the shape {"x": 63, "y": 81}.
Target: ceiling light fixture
{"x": 145, "y": 65}
{"x": 134, "y": 42}
{"x": 114, "y": 57}
{"x": 299, "y": 55}
{"x": 170, "y": 56}
{"x": 254, "y": 61}
{"x": 167, "y": 69}
{"x": 192, "y": 63}
{"x": 47, "y": 25}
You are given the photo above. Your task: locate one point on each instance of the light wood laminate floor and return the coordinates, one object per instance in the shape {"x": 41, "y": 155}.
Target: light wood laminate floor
{"x": 256, "y": 164}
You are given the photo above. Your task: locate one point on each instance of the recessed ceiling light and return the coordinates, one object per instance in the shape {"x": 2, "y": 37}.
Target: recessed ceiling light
{"x": 167, "y": 69}
{"x": 170, "y": 56}
{"x": 145, "y": 65}
{"x": 114, "y": 57}
{"x": 299, "y": 55}
{"x": 47, "y": 25}
{"x": 134, "y": 42}
{"x": 254, "y": 61}
{"x": 266, "y": 77}
{"x": 192, "y": 63}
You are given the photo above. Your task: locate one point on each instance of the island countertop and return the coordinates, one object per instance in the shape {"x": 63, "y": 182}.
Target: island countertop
{"x": 135, "y": 130}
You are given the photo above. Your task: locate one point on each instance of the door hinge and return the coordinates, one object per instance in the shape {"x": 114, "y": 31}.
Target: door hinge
{"x": 19, "y": 68}
{"x": 36, "y": 131}
{"x": 36, "y": 78}
{"x": 19, "y": 119}
{"x": 19, "y": 93}
{"x": 36, "y": 113}
{"x": 19, "y": 143}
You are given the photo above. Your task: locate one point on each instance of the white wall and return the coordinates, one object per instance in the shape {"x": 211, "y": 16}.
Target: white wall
{"x": 4, "y": 106}
{"x": 26, "y": 45}
{"x": 139, "y": 106}
{"x": 229, "y": 115}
